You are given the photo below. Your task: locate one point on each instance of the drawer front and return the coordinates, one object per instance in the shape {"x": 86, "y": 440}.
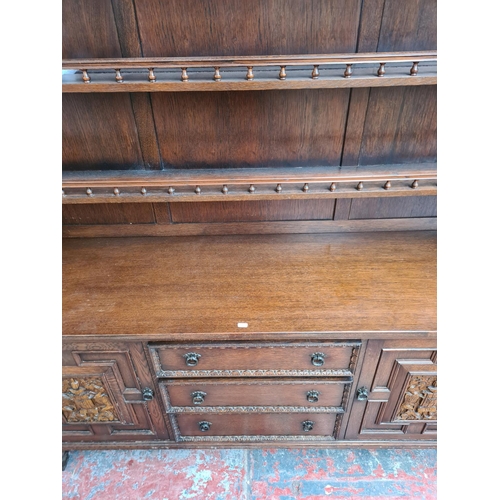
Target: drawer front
{"x": 246, "y": 359}
{"x": 253, "y": 425}
{"x": 255, "y": 392}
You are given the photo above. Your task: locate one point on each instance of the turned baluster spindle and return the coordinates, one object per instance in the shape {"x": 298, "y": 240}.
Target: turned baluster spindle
{"x": 387, "y": 185}
{"x": 333, "y": 187}
{"x": 305, "y": 188}
{"x": 151, "y": 76}
{"x": 381, "y": 70}
{"x": 251, "y": 189}
{"x": 348, "y": 71}
{"x": 249, "y": 73}
{"x": 143, "y": 191}
{"x": 197, "y": 190}
{"x": 414, "y": 69}
{"x": 89, "y": 192}
{"x": 85, "y": 76}
{"x": 225, "y": 190}
{"x": 282, "y": 75}
{"x": 118, "y": 77}
{"x": 278, "y": 188}
{"x": 184, "y": 75}
{"x": 116, "y": 191}
{"x": 315, "y": 72}
{"x": 217, "y": 76}
{"x": 414, "y": 184}
{"x": 360, "y": 186}
{"x": 171, "y": 190}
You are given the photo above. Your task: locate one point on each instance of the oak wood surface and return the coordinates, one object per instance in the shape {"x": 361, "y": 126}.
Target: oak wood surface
{"x": 241, "y": 211}
{"x": 248, "y": 392}
{"x": 140, "y": 213}
{"x": 265, "y": 424}
{"x": 99, "y": 131}
{"x": 232, "y": 27}
{"x": 164, "y": 228}
{"x": 275, "y": 283}
{"x": 398, "y": 207}
{"x": 258, "y": 129}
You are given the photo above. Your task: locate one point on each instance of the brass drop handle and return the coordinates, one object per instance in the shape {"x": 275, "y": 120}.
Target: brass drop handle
{"x": 147, "y": 394}
{"x": 192, "y": 358}
{"x": 198, "y": 397}
{"x": 312, "y": 396}
{"x": 318, "y": 359}
{"x": 307, "y": 425}
{"x": 362, "y": 394}
{"x": 204, "y": 426}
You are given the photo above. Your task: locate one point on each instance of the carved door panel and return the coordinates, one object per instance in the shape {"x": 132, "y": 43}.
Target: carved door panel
{"x": 105, "y": 394}
{"x": 396, "y": 396}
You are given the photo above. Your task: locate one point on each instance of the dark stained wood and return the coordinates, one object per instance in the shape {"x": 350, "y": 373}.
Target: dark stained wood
{"x": 234, "y": 211}
{"x": 162, "y": 213}
{"x": 143, "y": 114}
{"x": 99, "y": 131}
{"x": 358, "y": 103}
{"x": 287, "y": 424}
{"x": 122, "y": 213}
{"x": 400, "y": 126}
{"x": 88, "y": 29}
{"x": 385, "y": 208}
{"x": 232, "y": 27}
{"x": 225, "y": 228}
{"x": 278, "y": 283}
{"x": 416, "y": 136}
{"x": 369, "y": 27}
{"x": 408, "y": 25}
{"x": 240, "y": 358}
{"x": 126, "y": 26}
{"x": 228, "y": 129}
{"x": 381, "y": 374}
{"x": 261, "y": 392}
{"x": 124, "y": 372}
{"x": 342, "y": 209}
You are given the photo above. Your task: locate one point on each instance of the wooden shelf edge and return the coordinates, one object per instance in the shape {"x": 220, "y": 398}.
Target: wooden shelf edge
{"x": 418, "y": 179}
{"x": 175, "y": 74}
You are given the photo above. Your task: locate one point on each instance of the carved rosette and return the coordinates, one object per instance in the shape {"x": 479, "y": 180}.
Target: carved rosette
{"x": 420, "y": 399}
{"x": 86, "y": 400}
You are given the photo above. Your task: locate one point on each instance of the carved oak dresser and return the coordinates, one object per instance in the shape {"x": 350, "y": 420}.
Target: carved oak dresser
{"x": 249, "y": 223}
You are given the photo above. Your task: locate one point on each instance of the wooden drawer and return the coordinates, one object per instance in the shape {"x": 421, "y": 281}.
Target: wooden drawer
{"x": 254, "y": 392}
{"x": 254, "y": 425}
{"x": 251, "y": 359}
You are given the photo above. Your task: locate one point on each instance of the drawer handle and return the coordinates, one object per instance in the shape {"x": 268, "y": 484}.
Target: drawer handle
{"x": 362, "y": 394}
{"x": 192, "y": 358}
{"x": 147, "y": 394}
{"x": 198, "y": 397}
{"x": 312, "y": 396}
{"x": 307, "y": 425}
{"x": 318, "y": 359}
{"x": 204, "y": 426}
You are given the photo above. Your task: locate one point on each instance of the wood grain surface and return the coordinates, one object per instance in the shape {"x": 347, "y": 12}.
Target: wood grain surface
{"x": 275, "y": 283}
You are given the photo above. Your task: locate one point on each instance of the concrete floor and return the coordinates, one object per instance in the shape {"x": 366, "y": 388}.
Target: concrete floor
{"x": 270, "y": 474}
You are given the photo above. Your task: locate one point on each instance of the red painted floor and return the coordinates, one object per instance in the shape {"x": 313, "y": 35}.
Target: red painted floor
{"x": 273, "y": 474}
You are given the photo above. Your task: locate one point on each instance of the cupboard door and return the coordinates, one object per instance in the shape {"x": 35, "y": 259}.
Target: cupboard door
{"x": 105, "y": 394}
{"x": 396, "y": 395}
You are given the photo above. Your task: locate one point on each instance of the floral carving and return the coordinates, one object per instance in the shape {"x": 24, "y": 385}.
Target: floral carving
{"x": 420, "y": 399}
{"x": 86, "y": 400}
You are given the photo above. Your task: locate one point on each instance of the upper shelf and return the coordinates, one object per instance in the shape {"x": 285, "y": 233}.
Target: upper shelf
{"x": 176, "y": 74}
